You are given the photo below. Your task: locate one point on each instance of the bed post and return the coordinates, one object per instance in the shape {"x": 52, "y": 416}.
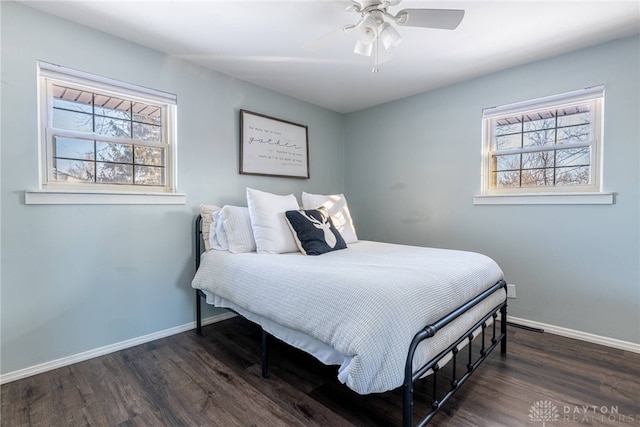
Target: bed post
{"x": 503, "y": 326}
{"x": 198, "y": 314}
{"x": 265, "y": 354}
{"x": 198, "y": 232}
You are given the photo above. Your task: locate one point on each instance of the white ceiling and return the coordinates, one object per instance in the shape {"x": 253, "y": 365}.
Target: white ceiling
{"x": 261, "y": 41}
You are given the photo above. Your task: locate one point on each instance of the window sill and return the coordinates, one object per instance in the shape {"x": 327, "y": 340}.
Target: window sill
{"x": 545, "y": 199}
{"x": 57, "y": 197}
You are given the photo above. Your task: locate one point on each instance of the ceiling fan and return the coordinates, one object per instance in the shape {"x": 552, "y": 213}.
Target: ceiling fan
{"x": 375, "y": 29}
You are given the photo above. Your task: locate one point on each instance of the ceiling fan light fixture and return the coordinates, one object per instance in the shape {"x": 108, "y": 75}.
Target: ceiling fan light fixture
{"x": 368, "y": 30}
{"x": 389, "y": 36}
{"x": 364, "y": 49}
{"x": 367, "y": 35}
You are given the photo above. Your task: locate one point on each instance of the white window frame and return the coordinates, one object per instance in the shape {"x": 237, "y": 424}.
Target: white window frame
{"x": 575, "y": 194}
{"x": 55, "y": 192}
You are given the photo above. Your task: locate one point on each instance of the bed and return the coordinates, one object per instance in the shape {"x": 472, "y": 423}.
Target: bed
{"x": 386, "y": 314}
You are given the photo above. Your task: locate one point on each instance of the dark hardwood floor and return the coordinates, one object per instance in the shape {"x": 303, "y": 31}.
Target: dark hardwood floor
{"x": 215, "y": 380}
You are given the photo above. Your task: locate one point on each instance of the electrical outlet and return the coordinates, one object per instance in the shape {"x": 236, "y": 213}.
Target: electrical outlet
{"x": 511, "y": 291}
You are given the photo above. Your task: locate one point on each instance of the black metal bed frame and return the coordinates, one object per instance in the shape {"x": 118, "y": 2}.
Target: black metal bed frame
{"x": 411, "y": 376}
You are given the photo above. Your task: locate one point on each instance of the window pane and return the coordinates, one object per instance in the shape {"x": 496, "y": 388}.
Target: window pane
{"x": 115, "y": 114}
{"x": 113, "y": 127}
{"x": 508, "y": 141}
{"x": 537, "y": 177}
{"x": 144, "y": 113}
{"x": 72, "y": 120}
{"x": 75, "y": 97}
{"x": 505, "y": 127}
{"x": 148, "y": 175}
{"x": 73, "y": 171}
{"x": 539, "y": 138}
{"x": 574, "y": 157}
{"x": 543, "y": 159}
{"x": 62, "y": 104}
{"x": 112, "y": 107}
{"x": 573, "y": 175}
{"x": 71, "y": 148}
{"x": 539, "y": 121}
{"x": 151, "y": 156}
{"x": 574, "y": 119}
{"x": 507, "y": 179}
{"x": 112, "y": 173}
{"x": 147, "y": 132}
{"x": 113, "y": 152}
{"x": 574, "y": 134}
{"x": 509, "y": 162}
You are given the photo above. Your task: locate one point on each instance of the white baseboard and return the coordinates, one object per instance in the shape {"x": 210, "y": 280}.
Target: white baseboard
{"x": 75, "y": 358}
{"x": 101, "y": 351}
{"x": 579, "y": 335}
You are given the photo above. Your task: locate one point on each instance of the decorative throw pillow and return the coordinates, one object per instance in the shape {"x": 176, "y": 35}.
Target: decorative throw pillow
{"x": 218, "y": 236}
{"x": 269, "y": 225}
{"x": 338, "y": 210}
{"x": 206, "y": 212}
{"x": 237, "y": 226}
{"x": 314, "y": 231}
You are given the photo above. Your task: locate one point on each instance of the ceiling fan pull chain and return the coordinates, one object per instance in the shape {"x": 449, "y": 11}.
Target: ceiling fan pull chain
{"x": 376, "y": 56}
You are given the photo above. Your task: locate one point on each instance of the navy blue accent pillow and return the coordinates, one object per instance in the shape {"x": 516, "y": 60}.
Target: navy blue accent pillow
{"x": 314, "y": 231}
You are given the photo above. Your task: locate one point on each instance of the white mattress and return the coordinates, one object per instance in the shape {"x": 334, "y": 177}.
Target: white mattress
{"x": 361, "y": 306}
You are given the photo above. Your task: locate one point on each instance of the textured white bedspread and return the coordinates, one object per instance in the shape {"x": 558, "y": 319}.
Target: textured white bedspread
{"x": 367, "y": 301}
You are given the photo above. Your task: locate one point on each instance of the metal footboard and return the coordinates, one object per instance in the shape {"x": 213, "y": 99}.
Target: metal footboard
{"x": 476, "y": 331}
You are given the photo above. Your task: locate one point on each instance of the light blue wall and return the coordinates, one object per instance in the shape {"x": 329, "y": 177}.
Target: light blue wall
{"x": 76, "y": 278}
{"x": 413, "y": 167}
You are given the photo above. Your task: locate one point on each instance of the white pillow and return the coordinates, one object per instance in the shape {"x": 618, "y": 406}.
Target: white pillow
{"x": 237, "y": 226}
{"x": 338, "y": 209}
{"x": 218, "y": 236}
{"x": 206, "y": 212}
{"x": 270, "y": 229}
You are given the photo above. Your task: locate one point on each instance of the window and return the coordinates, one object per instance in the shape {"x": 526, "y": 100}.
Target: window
{"x": 103, "y": 136}
{"x": 551, "y": 145}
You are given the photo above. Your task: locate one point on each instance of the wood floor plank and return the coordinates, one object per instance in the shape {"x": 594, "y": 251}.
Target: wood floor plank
{"x": 215, "y": 380}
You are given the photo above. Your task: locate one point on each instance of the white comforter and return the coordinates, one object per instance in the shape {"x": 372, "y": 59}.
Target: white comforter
{"x": 367, "y": 301}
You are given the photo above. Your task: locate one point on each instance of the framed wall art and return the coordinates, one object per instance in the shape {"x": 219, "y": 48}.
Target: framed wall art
{"x": 273, "y": 147}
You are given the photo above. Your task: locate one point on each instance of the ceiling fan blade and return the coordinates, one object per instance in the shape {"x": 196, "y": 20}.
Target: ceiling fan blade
{"x": 322, "y": 41}
{"x": 445, "y": 19}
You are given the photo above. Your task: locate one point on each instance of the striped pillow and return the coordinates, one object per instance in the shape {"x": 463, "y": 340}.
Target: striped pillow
{"x": 237, "y": 225}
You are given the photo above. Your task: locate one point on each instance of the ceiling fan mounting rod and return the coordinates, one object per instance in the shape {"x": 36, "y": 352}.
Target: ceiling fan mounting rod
{"x": 379, "y": 9}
